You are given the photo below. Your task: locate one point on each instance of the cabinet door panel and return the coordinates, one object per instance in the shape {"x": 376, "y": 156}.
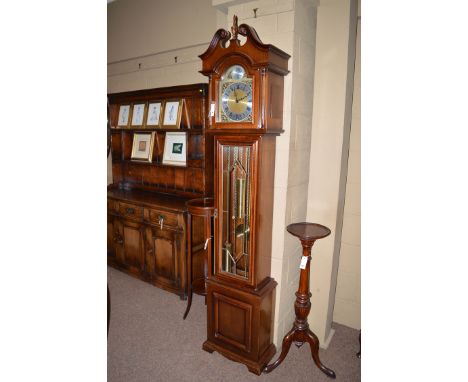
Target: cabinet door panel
{"x": 133, "y": 247}
{"x": 232, "y": 321}
{"x": 163, "y": 256}
{"x": 115, "y": 239}
{"x": 110, "y": 235}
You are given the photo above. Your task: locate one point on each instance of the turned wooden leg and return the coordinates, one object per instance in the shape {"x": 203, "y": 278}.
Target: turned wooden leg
{"x": 108, "y": 309}
{"x": 189, "y": 265}
{"x": 287, "y": 341}
{"x": 189, "y": 302}
{"x": 314, "y": 348}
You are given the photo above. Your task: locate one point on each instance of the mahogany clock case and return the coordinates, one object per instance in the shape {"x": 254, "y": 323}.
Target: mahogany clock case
{"x": 240, "y": 291}
{"x": 264, "y": 63}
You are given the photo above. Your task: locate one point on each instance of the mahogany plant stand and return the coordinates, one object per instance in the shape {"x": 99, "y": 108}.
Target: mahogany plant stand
{"x": 300, "y": 333}
{"x": 204, "y": 208}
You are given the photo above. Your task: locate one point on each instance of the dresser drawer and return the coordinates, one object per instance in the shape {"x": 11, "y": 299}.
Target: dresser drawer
{"x": 131, "y": 211}
{"x": 169, "y": 218}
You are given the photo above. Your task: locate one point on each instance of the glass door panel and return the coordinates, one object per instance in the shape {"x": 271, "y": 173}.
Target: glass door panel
{"x": 236, "y": 208}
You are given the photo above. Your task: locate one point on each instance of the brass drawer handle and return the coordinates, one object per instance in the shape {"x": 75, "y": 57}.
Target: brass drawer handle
{"x": 206, "y": 243}
{"x": 129, "y": 210}
{"x": 161, "y": 220}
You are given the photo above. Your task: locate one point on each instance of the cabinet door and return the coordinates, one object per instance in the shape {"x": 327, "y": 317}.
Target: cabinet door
{"x": 115, "y": 239}
{"x": 163, "y": 257}
{"x": 110, "y": 236}
{"x": 130, "y": 250}
{"x": 236, "y": 188}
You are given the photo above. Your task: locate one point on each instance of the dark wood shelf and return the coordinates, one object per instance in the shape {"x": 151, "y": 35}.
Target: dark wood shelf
{"x": 193, "y": 130}
{"x": 196, "y": 176}
{"x": 151, "y": 199}
{"x": 191, "y": 163}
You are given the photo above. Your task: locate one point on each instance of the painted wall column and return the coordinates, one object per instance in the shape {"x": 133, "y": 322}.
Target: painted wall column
{"x": 331, "y": 121}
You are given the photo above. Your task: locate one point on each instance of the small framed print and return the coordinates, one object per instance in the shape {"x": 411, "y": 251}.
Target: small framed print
{"x": 138, "y": 114}
{"x": 142, "y": 149}
{"x": 172, "y": 114}
{"x": 175, "y": 149}
{"x": 153, "y": 117}
{"x": 124, "y": 116}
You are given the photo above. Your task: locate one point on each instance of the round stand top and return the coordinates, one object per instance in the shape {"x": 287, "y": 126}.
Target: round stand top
{"x": 201, "y": 206}
{"x": 308, "y": 231}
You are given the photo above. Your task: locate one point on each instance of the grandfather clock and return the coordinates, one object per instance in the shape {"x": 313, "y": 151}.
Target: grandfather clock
{"x": 245, "y": 116}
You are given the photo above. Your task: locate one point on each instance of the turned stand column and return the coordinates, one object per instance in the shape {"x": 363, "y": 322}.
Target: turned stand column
{"x": 300, "y": 332}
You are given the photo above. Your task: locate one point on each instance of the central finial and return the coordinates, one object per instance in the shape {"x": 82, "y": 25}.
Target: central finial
{"x": 234, "y": 28}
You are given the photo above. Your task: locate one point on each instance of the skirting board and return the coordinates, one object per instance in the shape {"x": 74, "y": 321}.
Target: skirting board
{"x": 325, "y": 343}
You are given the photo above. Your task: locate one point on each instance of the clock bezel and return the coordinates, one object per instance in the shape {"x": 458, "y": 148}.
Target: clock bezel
{"x": 225, "y": 84}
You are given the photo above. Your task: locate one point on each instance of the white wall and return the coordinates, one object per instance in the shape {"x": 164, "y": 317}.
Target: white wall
{"x": 141, "y": 27}
{"x": 334, "y": 68}
{"x": 348, "y": 289}
{"x": 145, "y": 36}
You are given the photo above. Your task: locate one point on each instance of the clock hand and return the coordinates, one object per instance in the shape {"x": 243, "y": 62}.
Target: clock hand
{"x": 235, "y": 95}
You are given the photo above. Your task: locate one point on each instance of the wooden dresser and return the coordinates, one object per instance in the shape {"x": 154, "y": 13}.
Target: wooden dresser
{"x": 146, "y": 204}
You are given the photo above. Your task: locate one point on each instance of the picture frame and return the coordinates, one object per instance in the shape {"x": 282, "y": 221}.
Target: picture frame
{"x": 142, "y": 148}
{"x": 175, "y": 149}
{"x": 172, "y": 114}
{"x": 138, "y": 114}
{"x": 154, "y": 114}
{"x": 124, "y": 116}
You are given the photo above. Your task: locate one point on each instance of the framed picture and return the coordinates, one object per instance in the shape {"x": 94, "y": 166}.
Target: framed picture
{"x": 175, "y": 149}
{"x": 138, "y": 114}
{"x": 172, "y": 114}
{"x": 142, "y": 148}
{"x": 153, "y": 117}
{"x": 124, "y": 116}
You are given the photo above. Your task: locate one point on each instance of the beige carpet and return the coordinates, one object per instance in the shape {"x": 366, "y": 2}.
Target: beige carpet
{"x": 149, "y": 341}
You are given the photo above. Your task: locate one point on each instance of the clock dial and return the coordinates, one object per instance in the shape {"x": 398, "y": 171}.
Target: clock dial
{"x": 236, "y": 101}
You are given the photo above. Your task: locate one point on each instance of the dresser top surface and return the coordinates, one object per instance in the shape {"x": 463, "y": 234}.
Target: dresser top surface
{"x": 151, "y": 199}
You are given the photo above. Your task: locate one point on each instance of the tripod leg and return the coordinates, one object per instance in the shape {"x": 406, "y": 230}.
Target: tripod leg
{"x": 189, "y": 302}
{"x": 287, "y": 341}
{"x": 189, "y": 265}
{"x": 358, "y": 354}
{"x": 314, "y": 347}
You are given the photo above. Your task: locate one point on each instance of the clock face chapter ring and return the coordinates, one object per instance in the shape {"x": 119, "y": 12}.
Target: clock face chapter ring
{"x": 236, "y": 101}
